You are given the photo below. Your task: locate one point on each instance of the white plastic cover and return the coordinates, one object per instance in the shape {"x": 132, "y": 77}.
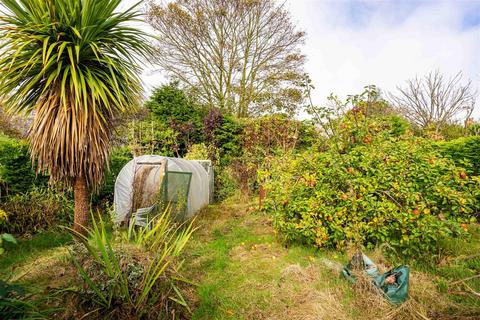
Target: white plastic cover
{"x": 150, "y": 167}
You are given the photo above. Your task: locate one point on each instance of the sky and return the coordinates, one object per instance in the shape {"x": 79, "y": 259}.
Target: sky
{"x": 351, "y": 44}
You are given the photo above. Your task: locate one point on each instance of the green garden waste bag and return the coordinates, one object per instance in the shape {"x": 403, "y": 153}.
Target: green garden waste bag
{"x": 393, "y": 283}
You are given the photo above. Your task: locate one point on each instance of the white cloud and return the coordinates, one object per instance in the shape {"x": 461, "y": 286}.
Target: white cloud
{"x": 345, "y": 55}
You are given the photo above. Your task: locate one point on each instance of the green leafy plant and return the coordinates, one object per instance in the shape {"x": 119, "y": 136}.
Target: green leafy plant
{"x": 136, "y": 272}
{"x": 370, "y": 182}
{"x": 173, "y": 125}
{"x": 395, "y": 191}
{"x": 8, "y": 238}
{"x": 17, "y": 174}
{"x": 16, "y": 302}
{"x": 197, "y": 152}
{"x": 37, "y": 210}
{"x": 358, "y": 120}
{"x": 464, "y": 151}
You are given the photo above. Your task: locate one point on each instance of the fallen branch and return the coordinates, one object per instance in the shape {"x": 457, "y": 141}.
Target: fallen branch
{"x": 466, "y": 279}
{"x": 464, "y": 293}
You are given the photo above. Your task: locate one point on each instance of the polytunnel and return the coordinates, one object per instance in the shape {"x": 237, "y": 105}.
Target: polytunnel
{"x": 150, "y": 182}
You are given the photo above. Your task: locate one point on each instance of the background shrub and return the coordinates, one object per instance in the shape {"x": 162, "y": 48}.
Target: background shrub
{"x": 16, "y": 172}
{"x": 197, "y": 152}
{"x": 226, "y": 185}
{"x": 36, "y": 210}
{"x": 263, "y": 139}
{"x": 464, "y": 151}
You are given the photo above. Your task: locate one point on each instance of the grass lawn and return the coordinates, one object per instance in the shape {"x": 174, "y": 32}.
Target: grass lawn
{"x": 241, "y": 271}
{"x": 30, "y": 249}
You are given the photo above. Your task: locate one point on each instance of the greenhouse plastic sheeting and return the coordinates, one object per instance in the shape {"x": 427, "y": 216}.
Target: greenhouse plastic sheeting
{"x": 396, "y": 292}
{"x": 150, "y": 180}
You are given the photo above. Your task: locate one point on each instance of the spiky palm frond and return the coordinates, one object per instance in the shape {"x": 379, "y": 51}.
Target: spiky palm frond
{"x": 75, "y": 63}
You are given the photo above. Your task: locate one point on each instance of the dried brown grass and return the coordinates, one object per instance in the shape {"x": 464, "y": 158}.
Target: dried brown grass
{"x": 301, "y": 293}
{"x": 424, "y": 301}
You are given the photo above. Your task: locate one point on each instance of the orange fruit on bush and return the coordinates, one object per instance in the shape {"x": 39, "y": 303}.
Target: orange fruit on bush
{"x": 367, "y": 139}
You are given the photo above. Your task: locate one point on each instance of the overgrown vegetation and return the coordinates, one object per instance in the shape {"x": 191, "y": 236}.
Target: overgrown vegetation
{"x": 35, "y": 211}
{"x": 396, "y": 192}
{"x": 373, "y": 184}
{"x": 399, "y": 181}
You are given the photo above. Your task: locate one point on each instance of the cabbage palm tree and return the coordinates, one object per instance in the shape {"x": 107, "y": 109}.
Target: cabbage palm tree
{"x": 74, "y": 65}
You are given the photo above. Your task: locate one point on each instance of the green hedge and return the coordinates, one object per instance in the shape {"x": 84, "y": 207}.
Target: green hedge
{"x": 16, "y": 172}
{"x": 464, "y": 151}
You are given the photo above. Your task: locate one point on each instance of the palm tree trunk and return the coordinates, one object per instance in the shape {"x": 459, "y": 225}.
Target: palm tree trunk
{"x": 80, "y": 194}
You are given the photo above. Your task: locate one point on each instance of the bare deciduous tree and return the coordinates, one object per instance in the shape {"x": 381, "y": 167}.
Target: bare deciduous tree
{"x": 240, "y": 55}
{"x": 433, "y": 101}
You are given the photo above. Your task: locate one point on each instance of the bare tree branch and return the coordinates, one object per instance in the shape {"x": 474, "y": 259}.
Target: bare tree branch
{"x": 434, "y": 100}
{"x": 242, "y": 55}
